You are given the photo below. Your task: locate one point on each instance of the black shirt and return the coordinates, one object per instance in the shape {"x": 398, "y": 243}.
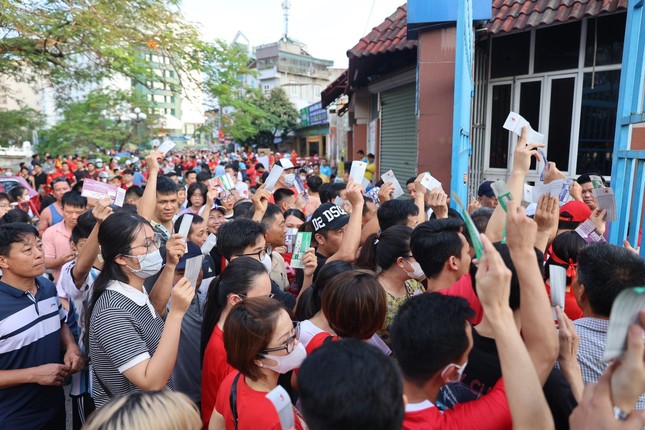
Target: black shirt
{"x": 40, "y": 180}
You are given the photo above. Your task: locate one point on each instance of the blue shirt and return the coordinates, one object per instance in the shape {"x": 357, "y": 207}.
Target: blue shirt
{"x": 138, "y": 178}
{"x": 29, "y": 337}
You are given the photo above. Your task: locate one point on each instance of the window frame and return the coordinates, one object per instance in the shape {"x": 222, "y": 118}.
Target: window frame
{"x": 547, "y": 78}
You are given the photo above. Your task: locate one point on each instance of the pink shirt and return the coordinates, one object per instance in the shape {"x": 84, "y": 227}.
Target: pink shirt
{"x": 56, "y": 244}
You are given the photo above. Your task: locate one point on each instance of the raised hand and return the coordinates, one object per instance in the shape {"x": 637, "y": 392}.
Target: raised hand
{"x": 523, "y": 153}
{"x": 181, "y": 296}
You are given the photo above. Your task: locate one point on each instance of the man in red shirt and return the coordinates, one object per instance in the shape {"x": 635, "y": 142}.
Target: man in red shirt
{"x": 434, "y": 351}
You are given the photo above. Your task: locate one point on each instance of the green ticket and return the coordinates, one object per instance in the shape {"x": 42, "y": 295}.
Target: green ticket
{"x": 300, "y": 246}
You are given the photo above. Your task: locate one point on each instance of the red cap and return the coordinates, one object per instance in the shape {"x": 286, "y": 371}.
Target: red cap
{"x": 574, "y": 212}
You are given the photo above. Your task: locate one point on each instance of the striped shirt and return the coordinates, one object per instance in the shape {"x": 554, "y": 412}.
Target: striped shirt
{"x": 29, "y": 337}
{"x": 79, "y": 299}
{"x": 124, "y": 331}
{"x": 593, "y": 338}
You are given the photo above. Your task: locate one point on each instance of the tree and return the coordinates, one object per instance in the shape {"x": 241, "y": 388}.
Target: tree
{"x": 260, "y": 118}
{"x": 16, "y": 126}
{"x": 98, "y": 122}
{"x": 89, "y": 40}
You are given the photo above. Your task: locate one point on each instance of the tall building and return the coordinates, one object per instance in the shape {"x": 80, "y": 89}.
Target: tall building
{"x": 286, "y": 64}
{"x": 175, "y": 97}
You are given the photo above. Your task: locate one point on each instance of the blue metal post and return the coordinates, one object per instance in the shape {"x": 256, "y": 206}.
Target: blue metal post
{"x": 630, "y": 111}
{"x": 462, "y": 101}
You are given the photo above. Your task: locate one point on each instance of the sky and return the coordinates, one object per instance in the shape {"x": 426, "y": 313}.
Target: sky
{"x": 328, "y": 27}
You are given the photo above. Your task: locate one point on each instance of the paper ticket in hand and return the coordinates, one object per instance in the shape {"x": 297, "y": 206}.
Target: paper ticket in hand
{"x": 300, "y": 246}
{"x": 624, "y": 312}
{"x": 166, "y": 146}
{"x": 224, "y": 183}
{"x": 389, "y": 178}
{"x": 558, "y": 284}
{"x": 273, "y": 177}
{"x": 357, "y": 173}
{"x": 502, "y": 193}
{"x": 588, "y": 231}
{"x": 100, "y": 190}
{"x": 193, "y": 267}
{"x": 210, "y": 243}
{"x": 606, "y": 200}
{"x": 282, "y": 404}
{"x": 430, "y": 182}
{"x": 515, "y": 122}
{"x": 184, "y": 227}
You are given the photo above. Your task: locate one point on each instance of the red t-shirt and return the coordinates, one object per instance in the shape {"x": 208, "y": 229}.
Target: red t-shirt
{"x": 318, "y": 340}
{"x": 254, "y": 410}
{"x": 214, "y": 370}
{"x": 571, "y": 308}
{"x": 464, "y": 288}
{"x": 490, "y": 412}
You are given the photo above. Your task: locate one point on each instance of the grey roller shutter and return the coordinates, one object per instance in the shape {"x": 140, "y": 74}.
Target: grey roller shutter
{"x": 399, "y": 132}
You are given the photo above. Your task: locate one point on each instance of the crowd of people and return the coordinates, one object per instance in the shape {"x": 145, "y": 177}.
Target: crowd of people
{"x": 390, "y": 320}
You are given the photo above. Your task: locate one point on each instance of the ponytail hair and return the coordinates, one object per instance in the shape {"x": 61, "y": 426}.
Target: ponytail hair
{"x": 381, "y": 251}
{"x": 237, "y": 278}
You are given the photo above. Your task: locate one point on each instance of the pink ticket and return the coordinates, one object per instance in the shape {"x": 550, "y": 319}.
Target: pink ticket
{"x": 100, "y": 190}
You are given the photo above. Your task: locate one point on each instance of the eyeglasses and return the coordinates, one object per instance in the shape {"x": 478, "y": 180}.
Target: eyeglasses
{"x": 150, "y": 241}
{"x": 290, "y": 344}
{"x": 261, "y": 254}
{"x": 5, "y": 205}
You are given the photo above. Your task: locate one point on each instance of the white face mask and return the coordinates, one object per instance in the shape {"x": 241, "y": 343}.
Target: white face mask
{"x": 287, "y": 362}
{"x": 289, "y": 179}
{"x": 150, "y": 264}
{"x": 460, "y": 371}
{"x": 266, "y": 262}
{"x": 417, "y": 272}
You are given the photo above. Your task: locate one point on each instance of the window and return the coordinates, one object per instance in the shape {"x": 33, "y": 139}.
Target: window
{"x": 530, "y": 102}
{"x": 294, "y": 90}
{"x": 558, "y": 89}
{"x": 511, "y": 55}
{"x": 501, "y": 104}
{"x": 172, "y": 99}
{"x": 608, "y": 40}
{"x": 557, "y": 47}
{"x": 560, "y": 118}
{"x": 598, "y": 122}
{"x": 316, "y": 91}
{"x": 267, "y": 88}
{"x": 173, "y": 112}
{"x": 171, "y": 73}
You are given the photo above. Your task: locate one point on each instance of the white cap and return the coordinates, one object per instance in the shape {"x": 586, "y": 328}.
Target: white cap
{"x": 286, "y": 163}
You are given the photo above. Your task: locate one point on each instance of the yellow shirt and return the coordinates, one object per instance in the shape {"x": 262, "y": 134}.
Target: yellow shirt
{"x": 370, "y": 169}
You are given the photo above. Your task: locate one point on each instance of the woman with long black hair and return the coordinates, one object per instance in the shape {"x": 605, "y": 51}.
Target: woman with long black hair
{"x": 244, "y": 277}
{"x": 130, "y": 346}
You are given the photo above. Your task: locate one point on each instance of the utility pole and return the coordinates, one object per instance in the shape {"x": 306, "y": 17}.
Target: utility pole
{"x": 286, "y": 4}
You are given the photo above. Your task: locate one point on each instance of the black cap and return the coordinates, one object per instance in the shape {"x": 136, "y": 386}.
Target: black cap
{"x": 485, "y": 189}
{"x": 329, "y": 216}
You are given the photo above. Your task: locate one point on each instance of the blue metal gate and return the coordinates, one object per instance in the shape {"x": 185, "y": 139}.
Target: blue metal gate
{"x": 628, "y": 171}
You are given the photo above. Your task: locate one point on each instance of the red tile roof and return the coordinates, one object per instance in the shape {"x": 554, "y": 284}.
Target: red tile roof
{"x": 517, "y": 15}
{"x": 389, "y": 36}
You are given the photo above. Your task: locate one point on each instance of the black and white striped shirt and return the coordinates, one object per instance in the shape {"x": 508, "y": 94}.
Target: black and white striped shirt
{"x": 124, "y": 331}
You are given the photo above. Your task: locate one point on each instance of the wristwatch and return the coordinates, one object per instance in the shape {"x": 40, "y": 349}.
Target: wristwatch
{"x": 619, "y": 414}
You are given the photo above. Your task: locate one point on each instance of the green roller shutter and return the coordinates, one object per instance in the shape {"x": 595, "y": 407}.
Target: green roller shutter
{"x": 399, "y": 132}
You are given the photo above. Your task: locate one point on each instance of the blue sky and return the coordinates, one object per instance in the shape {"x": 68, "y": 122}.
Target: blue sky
{"x": 328, "y": 27}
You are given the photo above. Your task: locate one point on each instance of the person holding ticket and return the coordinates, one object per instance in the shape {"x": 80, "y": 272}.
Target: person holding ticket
{"x": 261, "y": 343}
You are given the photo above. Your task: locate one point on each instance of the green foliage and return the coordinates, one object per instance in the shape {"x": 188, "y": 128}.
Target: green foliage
{"x": 97, "y": 122}
{"x": 260, "y": 118}
{"x": 73, "y": 43}
{"x": 16, "y": 126}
